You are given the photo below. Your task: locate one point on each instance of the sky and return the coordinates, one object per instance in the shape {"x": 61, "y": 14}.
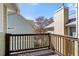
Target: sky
{"x": 33, "y": 10}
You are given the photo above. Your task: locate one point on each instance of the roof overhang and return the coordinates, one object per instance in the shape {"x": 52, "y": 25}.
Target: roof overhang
{"x": 50, "y": 26}
{"x": 72, "y": 24}
{"x": 12, "y": 8}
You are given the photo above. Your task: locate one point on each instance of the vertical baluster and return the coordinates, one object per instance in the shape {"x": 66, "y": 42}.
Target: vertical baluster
{"x": 55, "y": 43}
{"x": 63, "y": 45}
{"x": 12, "y": 42}
{"x": 35, "y": 43}
{"x": 47, "y": 41}
{"x": 25, "y": 42}
{"x": 69, "y": 46}
{"x": 29, "y": 41}
{"x": 73, "y": 47}
{"x": 15, "y": 42}
{"x": 60, "y": 45}
{"x": 54, "y": 40}
{"x": 44, "y": 40}
{"x": 20, "y": 42}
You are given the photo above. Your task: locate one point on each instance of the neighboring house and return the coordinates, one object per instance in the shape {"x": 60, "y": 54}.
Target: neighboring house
{"x": 49, "y": 28}
{"x": 17, "y": 24}
{"x": 63, "y": 25}
{"x": 71, "y": 24}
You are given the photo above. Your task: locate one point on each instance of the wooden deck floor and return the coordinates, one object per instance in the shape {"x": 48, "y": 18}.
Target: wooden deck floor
{"x": 46, "y": 52}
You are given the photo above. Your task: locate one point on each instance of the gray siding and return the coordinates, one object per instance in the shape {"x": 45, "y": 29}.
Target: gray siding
{"x": 18, "y": 25}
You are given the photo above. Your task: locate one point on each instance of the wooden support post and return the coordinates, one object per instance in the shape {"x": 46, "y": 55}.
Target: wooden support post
{"x": 65, "y": 46}
{"x": 49, "y": 41}
{"x": 7, "y": 44}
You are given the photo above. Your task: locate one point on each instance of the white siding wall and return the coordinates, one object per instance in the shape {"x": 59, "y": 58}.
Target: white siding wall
{"x": 60, "y": 17}
{"x": 1, "y": 17}
{"x": 19, "y": 25}
{"x": 2, "y": 44}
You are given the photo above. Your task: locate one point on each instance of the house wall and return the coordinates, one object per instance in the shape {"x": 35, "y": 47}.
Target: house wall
{"x": 3, "y": 28}
{"x": 2, "y": 44}
{"x": 77, "y": 30}
{"x": 19, "y": 25}
{"x": 60, "y": 17}
{"x": 77, "y": 20}
{"x": 3, "y": 18}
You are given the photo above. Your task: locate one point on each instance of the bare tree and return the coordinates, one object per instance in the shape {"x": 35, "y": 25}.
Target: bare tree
{"x": 41, "y": 21}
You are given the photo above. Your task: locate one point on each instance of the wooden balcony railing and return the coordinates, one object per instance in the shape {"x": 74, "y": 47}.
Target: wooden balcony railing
{"x": 62, "y": 45}
{"x": 22, "y": 42}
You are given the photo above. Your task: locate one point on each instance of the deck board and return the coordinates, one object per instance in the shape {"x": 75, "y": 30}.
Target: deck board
{"x": 47, "y": 52}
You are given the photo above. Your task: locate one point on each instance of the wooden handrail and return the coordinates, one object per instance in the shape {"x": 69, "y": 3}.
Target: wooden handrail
{"x": 29, "y": 34}
{"x": 65, "y": 36}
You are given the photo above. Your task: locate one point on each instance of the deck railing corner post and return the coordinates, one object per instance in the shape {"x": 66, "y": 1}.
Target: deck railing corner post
{"x": 7, "y": 44}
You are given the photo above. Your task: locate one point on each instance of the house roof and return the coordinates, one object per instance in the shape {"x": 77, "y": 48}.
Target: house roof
{"x": 71, "y": 24}
{"x": 50, "y": 25}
